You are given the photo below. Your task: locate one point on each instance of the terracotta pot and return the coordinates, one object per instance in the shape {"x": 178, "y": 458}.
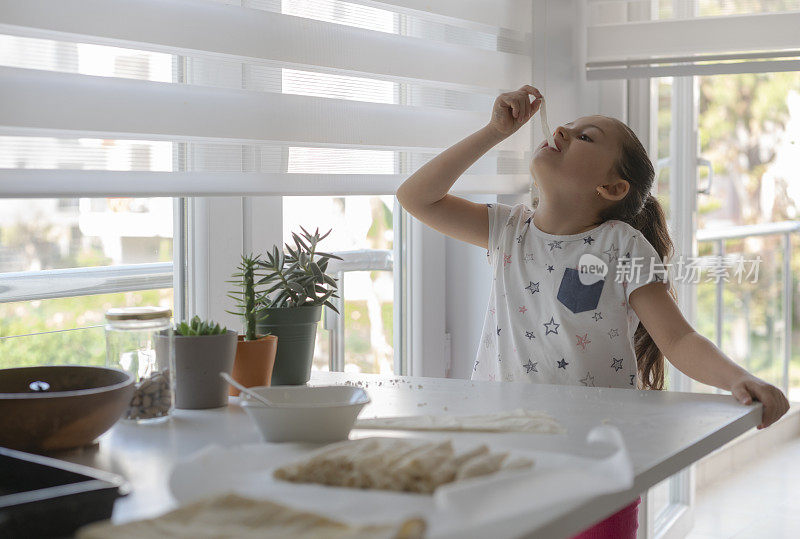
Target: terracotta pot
{"x": 254, "y": 361}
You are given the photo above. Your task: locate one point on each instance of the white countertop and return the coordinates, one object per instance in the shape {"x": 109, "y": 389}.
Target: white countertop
{"x": 664, "y": 432}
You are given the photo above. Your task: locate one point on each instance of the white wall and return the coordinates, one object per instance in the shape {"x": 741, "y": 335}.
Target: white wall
{"x": 469, "y": 280}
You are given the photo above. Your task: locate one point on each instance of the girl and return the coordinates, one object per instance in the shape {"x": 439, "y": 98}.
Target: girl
{"x": 580, "y": 293}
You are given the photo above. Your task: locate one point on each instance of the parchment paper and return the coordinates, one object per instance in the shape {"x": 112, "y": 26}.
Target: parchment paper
{"x": 503, "y": 504}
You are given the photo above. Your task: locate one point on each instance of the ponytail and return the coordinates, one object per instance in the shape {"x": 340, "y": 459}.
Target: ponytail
{"x": 642, "y": 211}
{"x": 652, "y": 223}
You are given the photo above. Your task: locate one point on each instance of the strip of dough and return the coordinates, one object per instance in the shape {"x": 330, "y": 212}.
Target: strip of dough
{"x": 548, "y": 134}
{"x": 518, "y": 420}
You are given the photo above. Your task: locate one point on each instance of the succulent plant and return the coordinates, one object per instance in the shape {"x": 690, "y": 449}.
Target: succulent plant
{"x": 297, "y": 277}
{"x": 197, "y": 326}
{"x": 247, "y": 297}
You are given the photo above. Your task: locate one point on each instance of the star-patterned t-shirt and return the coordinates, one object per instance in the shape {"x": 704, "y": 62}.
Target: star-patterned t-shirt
{"x": 553, "y": 317}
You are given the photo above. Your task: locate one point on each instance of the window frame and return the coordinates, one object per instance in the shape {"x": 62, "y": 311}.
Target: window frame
{"x": 221, "y": 228}
{"x": 678, "y": 516}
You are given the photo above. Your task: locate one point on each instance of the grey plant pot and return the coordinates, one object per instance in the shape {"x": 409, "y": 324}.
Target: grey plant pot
{"x": 198, "y": 362}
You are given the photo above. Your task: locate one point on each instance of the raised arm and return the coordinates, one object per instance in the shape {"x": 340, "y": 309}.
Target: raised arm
{"x": 425, "y": 193}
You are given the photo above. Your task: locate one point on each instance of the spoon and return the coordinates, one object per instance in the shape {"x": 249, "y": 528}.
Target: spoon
{"x": 263, "y": 400}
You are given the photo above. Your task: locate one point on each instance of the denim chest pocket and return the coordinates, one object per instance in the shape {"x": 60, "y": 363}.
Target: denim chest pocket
{"x": 576, "y": 296}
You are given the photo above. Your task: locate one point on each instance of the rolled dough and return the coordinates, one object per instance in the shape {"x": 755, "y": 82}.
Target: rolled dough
{"x": 231, "y": 515}
{"x": 518, "y": 420}
{"x": 395, "y": 464}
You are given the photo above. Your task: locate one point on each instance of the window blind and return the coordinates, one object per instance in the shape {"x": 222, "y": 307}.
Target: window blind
{"x": 635, "y": 39}
{"x": 254, "y": 98}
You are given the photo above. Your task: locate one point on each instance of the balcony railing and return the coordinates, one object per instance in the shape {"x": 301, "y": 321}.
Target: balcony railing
{"x": 783, "y": 228}
{"x": 362, "y": 260}
{"x": 70, "y": 282}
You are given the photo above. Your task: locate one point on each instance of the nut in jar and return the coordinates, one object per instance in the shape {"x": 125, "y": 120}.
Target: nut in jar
{"x": 152, "y": 397}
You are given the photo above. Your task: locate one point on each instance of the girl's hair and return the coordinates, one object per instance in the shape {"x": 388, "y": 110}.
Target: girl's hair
{"x": 641, "y": 210}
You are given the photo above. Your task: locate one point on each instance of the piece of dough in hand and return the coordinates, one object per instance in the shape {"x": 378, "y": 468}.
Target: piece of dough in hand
{"x": 548, "y": 134}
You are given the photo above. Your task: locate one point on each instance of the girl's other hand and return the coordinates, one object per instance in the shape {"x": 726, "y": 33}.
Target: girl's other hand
{"x": 512, "y": 109}
{"x": 750, "y": 388}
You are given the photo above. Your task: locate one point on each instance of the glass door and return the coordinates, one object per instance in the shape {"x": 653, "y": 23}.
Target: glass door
{"x": 748, "y": 129}
{"x": 747, "y": 219}
{"x": 727, "y": 161}
{"x": 726, "y": 154}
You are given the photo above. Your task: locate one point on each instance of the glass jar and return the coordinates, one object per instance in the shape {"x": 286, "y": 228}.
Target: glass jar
{"x": 139, "y": 340}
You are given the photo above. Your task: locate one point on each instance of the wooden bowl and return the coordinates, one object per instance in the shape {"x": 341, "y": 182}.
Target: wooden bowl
{"x": 59, "y": 407}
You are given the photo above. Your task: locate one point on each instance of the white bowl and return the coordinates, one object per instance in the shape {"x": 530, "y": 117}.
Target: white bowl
{"x": 305, "y": 414}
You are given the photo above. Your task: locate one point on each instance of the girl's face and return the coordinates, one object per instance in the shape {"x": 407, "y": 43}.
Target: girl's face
{"x": 589, "y": 147}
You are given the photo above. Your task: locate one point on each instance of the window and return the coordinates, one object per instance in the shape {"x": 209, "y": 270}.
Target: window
{"x": 749, "y": 128}
{"x": 60, "y": 257}
{"x": 65, "y": 331}
{"x": 747, "y": 199}
{"x": 362, "y": 227}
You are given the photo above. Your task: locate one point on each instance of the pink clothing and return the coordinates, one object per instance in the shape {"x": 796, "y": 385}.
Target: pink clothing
{"x": 620, "y": 525}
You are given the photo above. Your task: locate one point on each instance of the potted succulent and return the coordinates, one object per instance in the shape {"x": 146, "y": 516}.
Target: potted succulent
{"x": 203, "y": 349}
{"x": 255, "y": 352}
{"x": 300, "y": 289}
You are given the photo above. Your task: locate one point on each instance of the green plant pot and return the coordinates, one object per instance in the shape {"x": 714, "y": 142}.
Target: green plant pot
{"x": 296, "y": 329}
